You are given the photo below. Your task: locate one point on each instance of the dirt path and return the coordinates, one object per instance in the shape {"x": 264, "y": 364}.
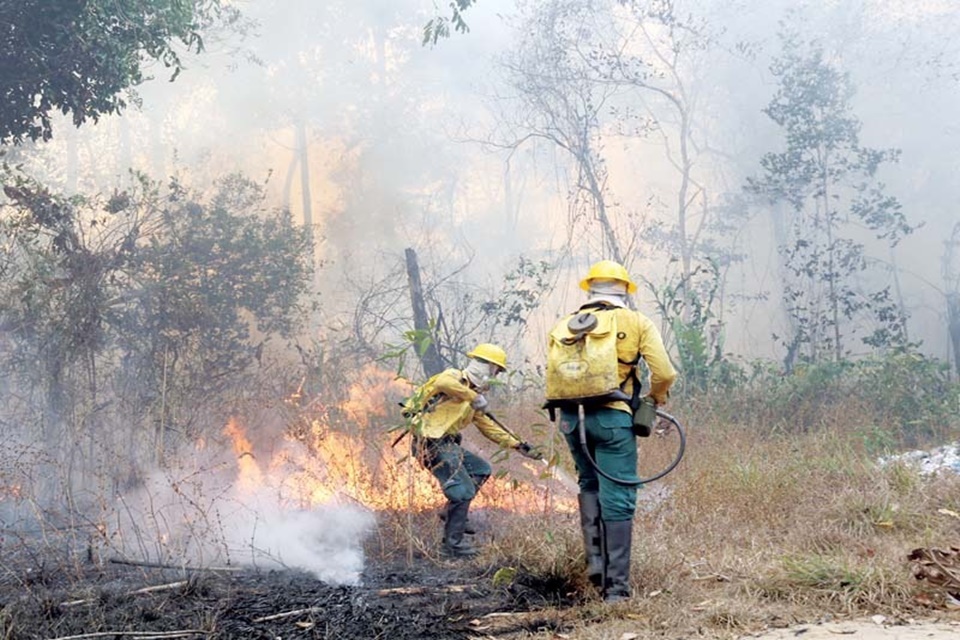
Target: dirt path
{"x": 871, "y": 629}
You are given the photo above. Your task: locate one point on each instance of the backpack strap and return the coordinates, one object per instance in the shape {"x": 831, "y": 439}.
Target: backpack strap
{"x": 635, "y": 396}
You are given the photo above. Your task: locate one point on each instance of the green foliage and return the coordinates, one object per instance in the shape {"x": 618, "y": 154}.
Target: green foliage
{"x": 215, "y": 271}
{"x": 504, "y": 576}
{"x": 828, "y": 179}
{"x": 460, "y": 314}
{"x": 417, "y": 340}
{"x": 903, "y": 397}
{"x": 439, "y": 27}
{"x": 520, "y": 294}
{"x": 817, "y": 571}
{"x": 79, "y": 57}
{"x": 689, "y": 306}
{"x": 153, "y": 288}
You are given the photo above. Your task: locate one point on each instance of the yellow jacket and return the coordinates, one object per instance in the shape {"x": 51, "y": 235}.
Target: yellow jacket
{"x": 642, "y": 338}
{"x": 442, "y": 407}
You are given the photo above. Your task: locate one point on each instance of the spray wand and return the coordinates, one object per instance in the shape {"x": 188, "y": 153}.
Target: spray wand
{"x": 539, "y": 456}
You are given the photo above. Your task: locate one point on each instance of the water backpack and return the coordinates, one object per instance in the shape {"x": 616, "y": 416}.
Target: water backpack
{"x": 582, "y": 362}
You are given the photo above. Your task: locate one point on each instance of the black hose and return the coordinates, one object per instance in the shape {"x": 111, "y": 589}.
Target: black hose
{"x": 581, "y": 427}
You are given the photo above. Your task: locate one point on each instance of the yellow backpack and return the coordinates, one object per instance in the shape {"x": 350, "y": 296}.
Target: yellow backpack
{"x": 582, "y": 362}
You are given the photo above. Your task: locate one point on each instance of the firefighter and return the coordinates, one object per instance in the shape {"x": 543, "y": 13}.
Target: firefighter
{"x": 607, "y": 507}
{"x": 439, "y": 411}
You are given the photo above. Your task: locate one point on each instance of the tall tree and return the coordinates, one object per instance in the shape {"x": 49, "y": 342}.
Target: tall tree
{"x": 80, "y": 57}
{"x": 829, "y": 180}
{"x": 560, "y": 103}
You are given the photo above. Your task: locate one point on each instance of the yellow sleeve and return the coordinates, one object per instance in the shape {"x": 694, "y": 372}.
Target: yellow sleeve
{"x": 450, "y": 384}
{"x": 662, "y": 373}
{"x": 491, "y": 431}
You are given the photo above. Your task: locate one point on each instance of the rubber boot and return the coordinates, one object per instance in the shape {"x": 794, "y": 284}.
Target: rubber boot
{"x": 617, "y": 536}
{"x": 592, "y": 528}
{"x": 470, "y": 529}
{"x": 453, "y": 529}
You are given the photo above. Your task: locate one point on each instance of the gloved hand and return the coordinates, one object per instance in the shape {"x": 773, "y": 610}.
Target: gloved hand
{"x": 529, "y": 451}
{"x": 479, "y": 403}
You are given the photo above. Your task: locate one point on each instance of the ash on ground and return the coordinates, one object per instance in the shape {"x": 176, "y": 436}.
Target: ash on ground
{"x": 945, "y": 459}
{"x": 55, "y": 591}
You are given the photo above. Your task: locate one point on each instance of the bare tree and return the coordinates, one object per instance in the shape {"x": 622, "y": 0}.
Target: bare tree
{"x": 557, "y": 100}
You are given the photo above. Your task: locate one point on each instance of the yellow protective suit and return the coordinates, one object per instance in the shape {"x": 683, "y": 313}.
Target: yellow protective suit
{"x": 446, "y": 398}
{"x": 642, "y": 338}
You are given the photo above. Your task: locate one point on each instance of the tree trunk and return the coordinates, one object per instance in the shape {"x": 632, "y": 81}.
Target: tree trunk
{"x": 895, "y": 272}
{"x": 953, "y": 322}
{"x": 429, "y": 356}
{"x": 306, "y": 198}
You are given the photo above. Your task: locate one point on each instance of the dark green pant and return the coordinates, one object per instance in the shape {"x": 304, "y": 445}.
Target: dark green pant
{"x": 460, "y": 472}
{"x": 613, "y": 446}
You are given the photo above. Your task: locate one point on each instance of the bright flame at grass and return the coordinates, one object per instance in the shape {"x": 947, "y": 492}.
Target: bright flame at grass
{"x": 321, "y": 465}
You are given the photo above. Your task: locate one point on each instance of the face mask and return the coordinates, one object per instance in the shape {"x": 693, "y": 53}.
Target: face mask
{"x": 611, "y": 291}
{"x": 479, "y": 373}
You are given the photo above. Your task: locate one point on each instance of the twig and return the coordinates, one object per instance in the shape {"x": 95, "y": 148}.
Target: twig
{"x": 453, "y": 588}
{"x": 159, "y": 587}
{"x": 157, "y": 565}
{"x": 719, "y": 577}
{"x": 287, "y": 614}
{"x": 950, "y": 574}
{"x": 135, "y": 634}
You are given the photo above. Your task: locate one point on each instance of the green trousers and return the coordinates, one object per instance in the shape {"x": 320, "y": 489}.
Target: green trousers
{"x": 613, "y": 446}
{"x": 460, "y": 473}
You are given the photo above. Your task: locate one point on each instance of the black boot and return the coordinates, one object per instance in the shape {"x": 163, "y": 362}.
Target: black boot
{"x": 592, "y": 536}
{"x": 470, "y": 529}
{"x": 453, "y": 529}
{"x": 617, "y": 536}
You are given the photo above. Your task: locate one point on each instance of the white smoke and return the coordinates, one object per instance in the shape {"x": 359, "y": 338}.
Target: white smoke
{"x": 325, "y": 540}
{"x": 205, "y": 516}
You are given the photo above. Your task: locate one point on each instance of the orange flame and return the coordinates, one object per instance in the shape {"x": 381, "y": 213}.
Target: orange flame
{"x": 323, "y": 465}
{"x": 249, "y": 475}
{"x": 13, "y": 491}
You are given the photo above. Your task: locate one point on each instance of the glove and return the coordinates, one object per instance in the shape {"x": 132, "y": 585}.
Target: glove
{"x": 479, "y": 403}
{"x": 529, "y": 451}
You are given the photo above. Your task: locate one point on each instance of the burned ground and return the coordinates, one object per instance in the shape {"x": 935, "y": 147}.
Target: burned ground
{"x": 47, "y": 593}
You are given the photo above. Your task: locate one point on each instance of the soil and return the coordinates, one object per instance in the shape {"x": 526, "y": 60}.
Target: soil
{"x": 879, "y": 628}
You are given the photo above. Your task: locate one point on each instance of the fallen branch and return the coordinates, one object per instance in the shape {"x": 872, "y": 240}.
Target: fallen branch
{"x": 287, "y": 614}
{"x": 143, "y": 635}
{"x": 931, "y": 565}
{"x": 159, "y": 587}
{"x": 719, "y": 577}
{"x": 406, "y": 591}
{"x": 157, "y": 565}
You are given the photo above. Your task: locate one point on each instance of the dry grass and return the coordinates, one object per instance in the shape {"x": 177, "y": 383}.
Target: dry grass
{"x": 758, "y": 529}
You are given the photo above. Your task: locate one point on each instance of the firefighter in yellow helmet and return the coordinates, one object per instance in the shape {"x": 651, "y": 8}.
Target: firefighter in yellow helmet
{"x": 606, "y": 507}
{"x": 439, "y": 410}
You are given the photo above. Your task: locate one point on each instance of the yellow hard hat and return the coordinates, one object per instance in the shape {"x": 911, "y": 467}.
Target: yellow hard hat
{"x": 608, "y": 270}
{"x": 491, "y": 353}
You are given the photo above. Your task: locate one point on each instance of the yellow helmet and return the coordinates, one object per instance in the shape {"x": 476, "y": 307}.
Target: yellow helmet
{"x": 608, "y": 270}
{"x": 490, "y": 353}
